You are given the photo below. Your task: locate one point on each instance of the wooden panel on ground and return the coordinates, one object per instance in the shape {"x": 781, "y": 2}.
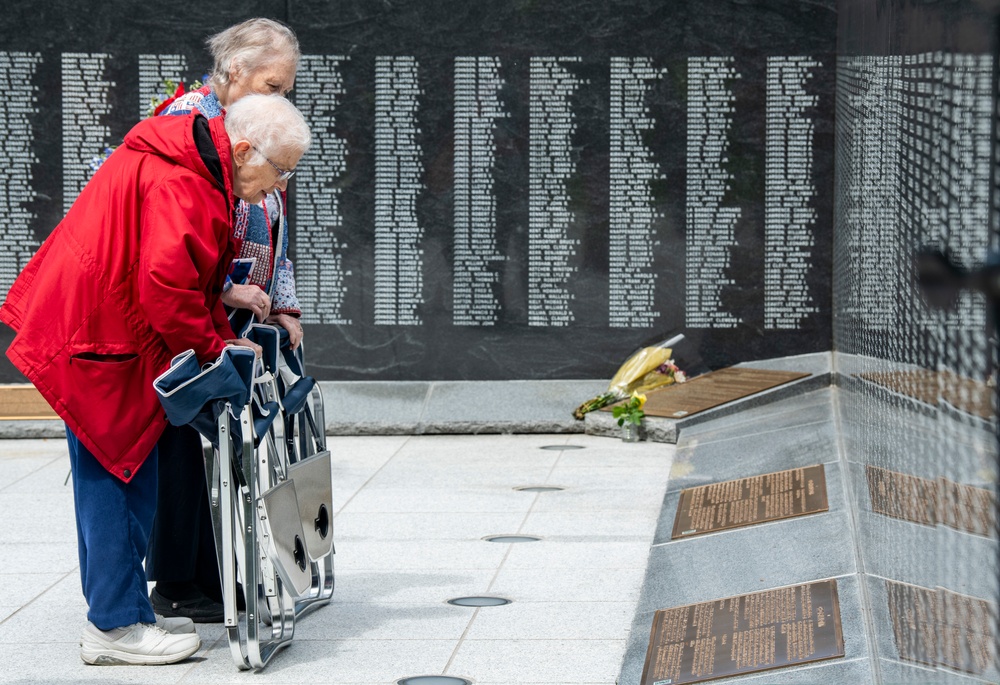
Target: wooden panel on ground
{"x": 745, "y": 634}
{"x": 20, "y": 402}
{"x": 746, "y": 501}
{"x": 712, "y": 389}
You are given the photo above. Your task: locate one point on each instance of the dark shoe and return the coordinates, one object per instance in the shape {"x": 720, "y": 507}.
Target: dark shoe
{"x": 241, "y": 602}
{"x": 200, "y": 609}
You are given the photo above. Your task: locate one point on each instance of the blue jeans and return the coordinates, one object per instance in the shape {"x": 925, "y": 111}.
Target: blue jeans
{"x": 113, "y": 520}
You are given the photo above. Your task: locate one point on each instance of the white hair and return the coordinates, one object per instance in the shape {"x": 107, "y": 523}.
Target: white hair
{"x": 249, "y": 46}
{"x": 270, "y": 123}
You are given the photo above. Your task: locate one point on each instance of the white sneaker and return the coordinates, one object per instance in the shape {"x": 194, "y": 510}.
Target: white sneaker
{"x": 142, "y": 644}
{"x": 175, "y": 625}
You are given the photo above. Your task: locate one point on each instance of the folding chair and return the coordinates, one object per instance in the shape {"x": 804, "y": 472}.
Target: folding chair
{"x": 257, "y": 509}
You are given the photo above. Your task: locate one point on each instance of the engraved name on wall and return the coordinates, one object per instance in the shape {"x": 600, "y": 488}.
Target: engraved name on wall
{"x": 17, "y": 69}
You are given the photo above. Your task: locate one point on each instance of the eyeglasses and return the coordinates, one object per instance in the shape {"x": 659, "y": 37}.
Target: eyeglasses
{"x": 282, "y": 174}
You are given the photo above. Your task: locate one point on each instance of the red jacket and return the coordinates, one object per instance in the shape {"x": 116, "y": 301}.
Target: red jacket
{"x": 130, "y": 277}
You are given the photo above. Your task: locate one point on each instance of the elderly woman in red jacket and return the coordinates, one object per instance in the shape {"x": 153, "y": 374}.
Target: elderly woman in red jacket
{"x": 131, "y": 277}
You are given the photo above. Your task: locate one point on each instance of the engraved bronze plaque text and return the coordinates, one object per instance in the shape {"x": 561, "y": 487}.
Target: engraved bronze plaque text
{"x": 966, "y": 507}
{"x": 931, "y": 501}
{"x": 744, "y": 634}
{"x": 932, "y": 387}
{"x": 745, "y": 501}
{"x": 941, "y": 628}
{"x": 912, "y": 610}
{"x": 902, "y": 496}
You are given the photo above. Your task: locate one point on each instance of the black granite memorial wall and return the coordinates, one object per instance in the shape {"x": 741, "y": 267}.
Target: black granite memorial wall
{"x": 510, "y": 190}
{"x": 915, "y": 167}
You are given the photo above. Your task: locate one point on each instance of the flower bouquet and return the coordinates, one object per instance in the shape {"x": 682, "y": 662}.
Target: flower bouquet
{"x": 647, "y": 368}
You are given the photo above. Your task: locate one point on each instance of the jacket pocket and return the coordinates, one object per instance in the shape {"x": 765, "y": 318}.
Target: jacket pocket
{"x": 111, "y": 396}
{"x": 108, "y": 381}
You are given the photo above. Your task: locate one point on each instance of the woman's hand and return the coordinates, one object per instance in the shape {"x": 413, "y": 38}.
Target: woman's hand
{"x": 243, "y": 342}
{"x": 290, "y": 324}
{"x": 248, "y": 297}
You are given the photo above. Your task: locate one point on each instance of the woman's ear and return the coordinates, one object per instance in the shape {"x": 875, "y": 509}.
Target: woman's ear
{"x": 235, "y": 71}
{"x": 241, "y": 151}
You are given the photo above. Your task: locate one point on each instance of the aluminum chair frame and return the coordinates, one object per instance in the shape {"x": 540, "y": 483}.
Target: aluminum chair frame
{"x": 235, "y": 492}
{"x": 279, "y": 586}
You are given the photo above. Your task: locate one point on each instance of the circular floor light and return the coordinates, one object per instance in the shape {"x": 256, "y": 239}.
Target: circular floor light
{"x": 563, "y": 447}
{"x": 479, "y": 601}
{"x": 539, "y": 488}
{"x": 512, "y": 538}
{"x": 433, "y": 680}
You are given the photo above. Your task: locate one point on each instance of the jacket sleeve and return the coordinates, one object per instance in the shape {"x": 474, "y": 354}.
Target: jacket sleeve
{"x": 185, "y": 232}
{"x": 220, "y": 320}
{"x": 285, "y": 300}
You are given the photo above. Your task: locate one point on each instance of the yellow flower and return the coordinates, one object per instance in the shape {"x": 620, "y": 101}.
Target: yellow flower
{"x": 640, "y": 398}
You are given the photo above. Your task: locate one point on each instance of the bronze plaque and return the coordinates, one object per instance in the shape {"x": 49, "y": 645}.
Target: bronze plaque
{"x": 930, "y": 387}
{"x": 912, "y": 609}
{"x": 746, "y": 501}
{"x": 931, "y": 501}
{"x": 966, "y": 632}
{"x": 902, "y": 496}
{"x": 711, "y": 390}
{"x": 966, "y": 507}
{"x": 941, "y": 628}
{"x": 745, "y": 634}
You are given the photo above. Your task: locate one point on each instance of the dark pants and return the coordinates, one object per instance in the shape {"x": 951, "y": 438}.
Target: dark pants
{"x": 182, "y": 544}
{"x": 113, "y": 519}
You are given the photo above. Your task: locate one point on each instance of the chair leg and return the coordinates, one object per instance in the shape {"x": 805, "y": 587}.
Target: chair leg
{"x": 241, "y": 529}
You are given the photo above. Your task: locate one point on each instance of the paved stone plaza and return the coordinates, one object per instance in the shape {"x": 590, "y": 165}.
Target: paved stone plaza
{"x": 411, "y": 516}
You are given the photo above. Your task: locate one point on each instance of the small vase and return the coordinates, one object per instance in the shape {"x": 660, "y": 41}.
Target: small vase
{"x": 630, "y": 432}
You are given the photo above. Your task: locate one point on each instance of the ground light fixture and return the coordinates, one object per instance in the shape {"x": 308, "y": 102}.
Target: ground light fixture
{"x": 479, "y": 601}
{"x": 511, "y": 538}
{"x": 433, "y": 680}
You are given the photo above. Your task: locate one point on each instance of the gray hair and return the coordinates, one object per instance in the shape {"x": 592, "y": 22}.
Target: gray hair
{"x": 270, "y": 123}
{"x": 249, "y": 46}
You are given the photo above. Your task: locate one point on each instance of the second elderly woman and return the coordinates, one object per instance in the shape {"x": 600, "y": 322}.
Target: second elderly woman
{"x": 256, "y": 56}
